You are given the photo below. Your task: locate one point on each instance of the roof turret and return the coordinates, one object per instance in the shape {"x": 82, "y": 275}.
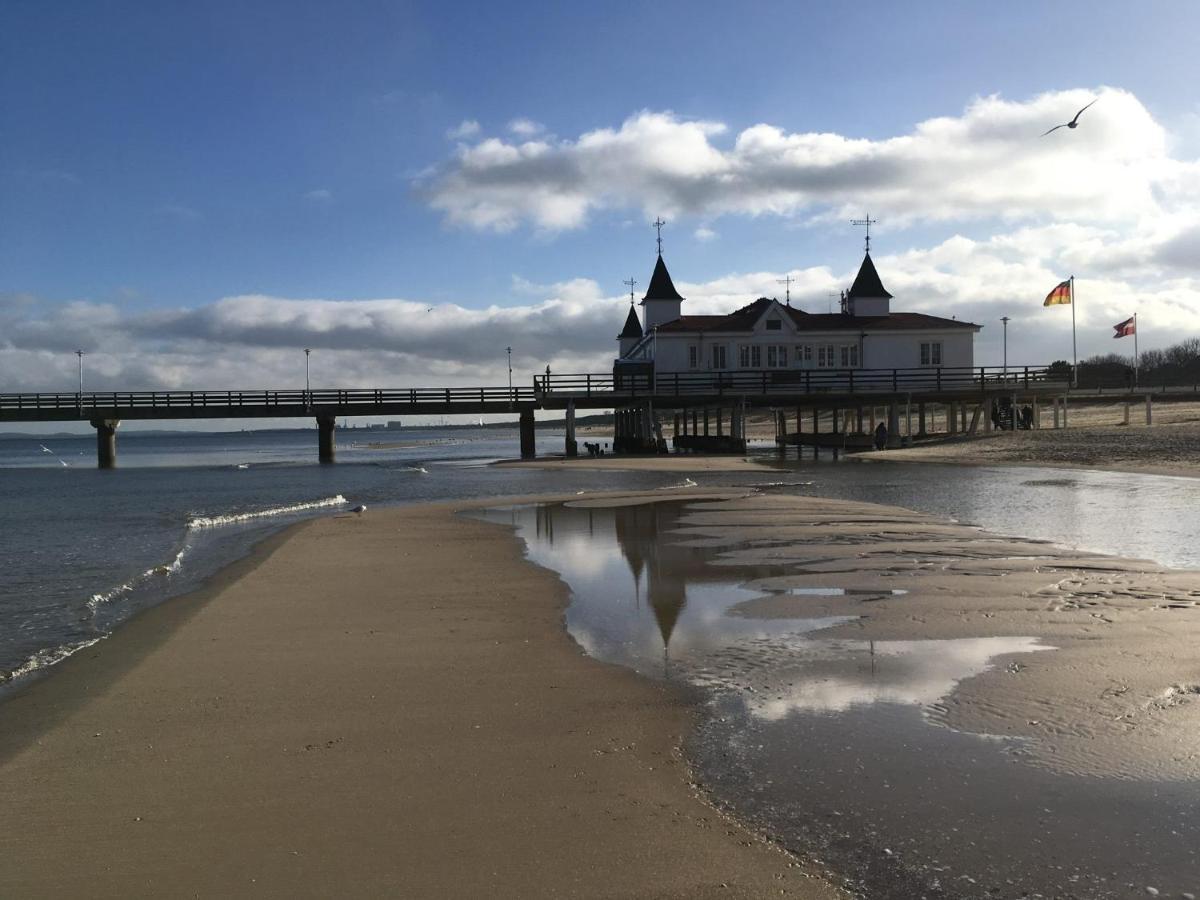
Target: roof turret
{"x": 867, "y": 283}
{"x": 633, "y": 328}
{"x": 661, "y": 286}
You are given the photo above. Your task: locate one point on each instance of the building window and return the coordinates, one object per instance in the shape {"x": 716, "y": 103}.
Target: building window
{"x": 825, "y": 356}
{"x": 749, "y": 356}
{"x": 718, "y": 356}
{"x": 693, "y": 356}
{"x": 774, "y": 325}
{"x": 744, "y": 356}
{"x": 931, "y": 353}
{"x": 755, "y": 357}
{"x": 776, "y": 356}
{"x": 804, "y": 355}
{"x": 849, "y": 356}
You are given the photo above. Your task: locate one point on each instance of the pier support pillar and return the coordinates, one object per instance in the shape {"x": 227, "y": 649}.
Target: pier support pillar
{"x": 326, "y": 443}
{"x": 858, "y": 420}
{"x": 1064, "y": 405}
{"x": 1149, "y": 409}
{"x": 572, "y": 448}
{"x": 706, "y": 421}
{"x": 1056, "y": 421}
{"x": 1127, "y": 405}
{"x": 528, "y": 450}
{"x": 106, "y": 442}
{"x": 893, "y": 440}
{"x": 721, "y": 421}
{"x": 816, "y": 433}
{"x": 1037, "y": 414}
{"x": 920, "y": 420}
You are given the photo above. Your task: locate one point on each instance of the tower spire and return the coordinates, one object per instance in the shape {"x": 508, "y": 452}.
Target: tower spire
{"x": 658, "y": 223}
{"x": 787, "y": 282}
{"x": 631, "y": 281}
{"x": 867, "y": 222}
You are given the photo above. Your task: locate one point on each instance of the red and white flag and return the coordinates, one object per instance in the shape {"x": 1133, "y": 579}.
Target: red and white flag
{"x": 1126, "y": 328}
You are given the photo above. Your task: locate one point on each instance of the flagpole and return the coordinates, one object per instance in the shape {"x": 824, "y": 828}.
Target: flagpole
{"x": 1135, "y": 352}
{"x": 1074, "y": 350}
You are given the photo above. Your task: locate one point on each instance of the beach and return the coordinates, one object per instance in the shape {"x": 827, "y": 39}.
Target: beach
{"x": 375, "y": 705}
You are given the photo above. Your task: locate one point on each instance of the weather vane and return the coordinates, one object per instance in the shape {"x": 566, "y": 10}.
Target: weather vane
{"x": 786, "y": 281}
{"x": 631, "y": 282}
{"x": 867, "y": 222}
{"x": 658, "y": 224}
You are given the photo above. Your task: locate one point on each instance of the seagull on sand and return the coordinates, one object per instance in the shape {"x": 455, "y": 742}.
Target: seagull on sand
{"x": 1074, "y": 123}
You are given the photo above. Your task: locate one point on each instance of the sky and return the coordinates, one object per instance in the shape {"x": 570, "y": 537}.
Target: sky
{"x": 193, "y": 193}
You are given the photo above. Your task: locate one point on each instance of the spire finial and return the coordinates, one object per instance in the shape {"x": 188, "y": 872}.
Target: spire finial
{"x": 867, "y": 222}
{"x": 787, "y": 282}
{"x": 631, "y": 281}
{"x": 658, "y": 224}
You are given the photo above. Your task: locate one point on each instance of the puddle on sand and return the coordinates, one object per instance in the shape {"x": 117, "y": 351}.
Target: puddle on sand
{"x": 825, "y": 743}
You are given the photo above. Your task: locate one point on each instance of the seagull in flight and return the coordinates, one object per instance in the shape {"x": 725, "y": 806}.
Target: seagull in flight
{"x": 1074, "y": 123}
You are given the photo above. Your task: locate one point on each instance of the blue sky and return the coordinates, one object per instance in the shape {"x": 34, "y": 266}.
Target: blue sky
{"x": 163, "y": 157}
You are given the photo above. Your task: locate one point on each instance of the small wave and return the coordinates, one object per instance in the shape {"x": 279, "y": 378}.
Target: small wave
{"x": 43, "y": 659}
{"x": 421, "y": 469}
{"x": 233, "y": 518}
{"x": 153, "y": 572}
{"x": 242, "y": 466}
{"x": 769, "y": 484}
{"x": 686, "y": 483}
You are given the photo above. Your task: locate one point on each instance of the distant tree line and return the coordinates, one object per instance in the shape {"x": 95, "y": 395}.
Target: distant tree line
{"x": 1177, "y": 364}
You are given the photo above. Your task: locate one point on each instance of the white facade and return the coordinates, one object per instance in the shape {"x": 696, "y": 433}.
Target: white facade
{"x": 768, "y": 336}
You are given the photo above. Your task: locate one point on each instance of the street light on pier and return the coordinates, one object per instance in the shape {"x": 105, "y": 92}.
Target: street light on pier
{"x": 79, "y": 353}
{"x": 1005, "y": 320}
{"x": 508, "y": 350}
{"x": 307, "y": 386}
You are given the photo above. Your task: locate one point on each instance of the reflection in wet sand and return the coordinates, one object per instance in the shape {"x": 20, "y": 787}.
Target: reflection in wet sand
{"x": 830, "y": 637}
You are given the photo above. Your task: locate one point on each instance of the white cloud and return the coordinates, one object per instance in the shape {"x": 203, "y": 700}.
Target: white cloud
{"x": 989, "y": 162}
{"x": 320, "y": 195}
{"x": 523, "y": 127}
{"x": 255, "y": 341}
{"x": 467, "y": 128}
{"x": 704, "y": 234}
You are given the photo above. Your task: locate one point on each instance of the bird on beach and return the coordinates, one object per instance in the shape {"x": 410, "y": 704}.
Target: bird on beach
{"x": 1074, "y": 123}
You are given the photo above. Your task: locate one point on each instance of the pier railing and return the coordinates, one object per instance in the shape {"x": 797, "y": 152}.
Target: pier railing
{"x": 285, "y": 402}
{"x": 800, "y": 381}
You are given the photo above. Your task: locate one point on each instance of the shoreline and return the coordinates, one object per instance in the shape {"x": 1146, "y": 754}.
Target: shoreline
{"x": 273, "y": 731}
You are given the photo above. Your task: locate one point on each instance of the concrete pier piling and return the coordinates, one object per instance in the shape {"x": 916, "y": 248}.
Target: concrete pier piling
{"x": 106, "y": 442}
{"x": 528, "y": 437}
{"x": 572, "y": 448}
{"x": 326, "y": 440}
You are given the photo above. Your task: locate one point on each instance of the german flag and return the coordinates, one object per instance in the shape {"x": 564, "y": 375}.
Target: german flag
{"x": 1061, "y": 294}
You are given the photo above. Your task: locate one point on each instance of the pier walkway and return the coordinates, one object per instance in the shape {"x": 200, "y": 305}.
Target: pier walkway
{"x": 638, "y": 397}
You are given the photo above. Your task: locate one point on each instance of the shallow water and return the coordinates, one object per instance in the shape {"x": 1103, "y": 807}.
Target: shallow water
{"x": 825, "y": 743}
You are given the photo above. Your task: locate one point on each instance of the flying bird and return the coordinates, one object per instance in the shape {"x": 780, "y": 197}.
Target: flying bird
{"x": 1074, "y": 123}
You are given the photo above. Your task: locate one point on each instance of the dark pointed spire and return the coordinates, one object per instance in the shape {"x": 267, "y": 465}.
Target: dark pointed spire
{"x": 633, "y": 328}
{"x": 661, "y": 286}
{"x": 867, "y": 283}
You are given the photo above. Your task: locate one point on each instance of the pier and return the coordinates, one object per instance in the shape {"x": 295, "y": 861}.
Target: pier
{"x": 704, "y": 411}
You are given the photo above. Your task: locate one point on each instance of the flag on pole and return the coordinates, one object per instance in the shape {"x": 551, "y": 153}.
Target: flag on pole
{"x": 1061, "y": 294}
{"x": 1126, "y": 328}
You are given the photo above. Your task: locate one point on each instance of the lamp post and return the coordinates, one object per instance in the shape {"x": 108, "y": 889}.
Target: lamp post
{"x": 79, "y": 396}
{"x": 1004, "y": 319}
{"x": 307, "y": 387}
{"x": 508, "y": 350}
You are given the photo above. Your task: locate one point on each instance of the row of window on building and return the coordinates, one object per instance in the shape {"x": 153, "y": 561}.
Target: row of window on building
{"x": 799, "y": 356}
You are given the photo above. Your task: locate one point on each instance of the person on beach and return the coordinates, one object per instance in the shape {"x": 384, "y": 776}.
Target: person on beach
{"x": 881, "y": 436}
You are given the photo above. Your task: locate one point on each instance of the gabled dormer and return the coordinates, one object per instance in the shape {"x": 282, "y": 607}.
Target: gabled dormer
{"x": 774, "y": 320}
{"x": 867, "y": 296}
{"x": 662, "y": 302}
{"x": 630, "y": 334}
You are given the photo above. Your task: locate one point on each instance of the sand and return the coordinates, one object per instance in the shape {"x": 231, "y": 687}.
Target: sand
{"x": 385, "y": 705}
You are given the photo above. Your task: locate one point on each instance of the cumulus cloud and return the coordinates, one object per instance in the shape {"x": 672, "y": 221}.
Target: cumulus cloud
{"x": 467, "y": 128}
{"x": 704, "y": 233}
{"x": 319, "y": 195}
{"x": 525, "y": 127}
{"x": 988, "y": 162}
{"x": 256, "y": 341}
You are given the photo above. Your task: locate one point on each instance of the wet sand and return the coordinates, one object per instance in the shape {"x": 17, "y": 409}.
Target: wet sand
{"x": 376, "y": 705}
